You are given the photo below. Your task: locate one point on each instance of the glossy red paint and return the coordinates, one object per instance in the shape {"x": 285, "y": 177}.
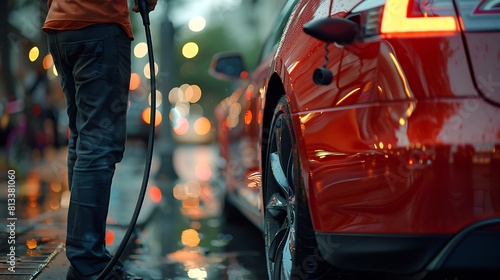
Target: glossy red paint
{"x": 379, "y": 171}
{"x": 239, "y": 138}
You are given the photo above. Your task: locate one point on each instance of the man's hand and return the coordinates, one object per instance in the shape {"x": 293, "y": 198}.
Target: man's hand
{"x": 152, "y": 5}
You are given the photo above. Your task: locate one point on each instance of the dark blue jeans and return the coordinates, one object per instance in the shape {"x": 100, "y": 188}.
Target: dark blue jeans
{"x": 93, "y": 64}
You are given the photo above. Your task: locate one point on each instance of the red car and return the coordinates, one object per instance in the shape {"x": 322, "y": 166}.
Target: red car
{"x": 368, "y": 137}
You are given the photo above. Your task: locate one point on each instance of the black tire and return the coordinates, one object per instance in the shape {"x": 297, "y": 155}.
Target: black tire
{"x": 291, "y": 248}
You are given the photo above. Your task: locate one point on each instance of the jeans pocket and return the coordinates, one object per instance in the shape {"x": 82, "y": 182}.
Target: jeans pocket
{"x": 87, "y": 58}
{"x": 121, "y": 34}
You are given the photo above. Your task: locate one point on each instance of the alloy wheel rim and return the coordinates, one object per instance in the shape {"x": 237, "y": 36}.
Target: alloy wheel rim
{"x": 280, "y": 204}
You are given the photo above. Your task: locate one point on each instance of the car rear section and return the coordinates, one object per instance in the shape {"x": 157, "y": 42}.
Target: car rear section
{"x": 404, "y": 161}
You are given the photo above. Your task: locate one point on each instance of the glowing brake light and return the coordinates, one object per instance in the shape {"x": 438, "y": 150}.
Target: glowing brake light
{"x": 395, "y": 20}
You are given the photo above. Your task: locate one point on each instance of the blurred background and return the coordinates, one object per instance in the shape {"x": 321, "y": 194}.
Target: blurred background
{"x": 185, "y": 34}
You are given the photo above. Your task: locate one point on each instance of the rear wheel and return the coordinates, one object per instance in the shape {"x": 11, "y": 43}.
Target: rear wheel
{"x": 291, "y": 248}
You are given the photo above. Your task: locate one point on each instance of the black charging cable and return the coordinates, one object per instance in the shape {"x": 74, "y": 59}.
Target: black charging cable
{"x": 144, "y": 11}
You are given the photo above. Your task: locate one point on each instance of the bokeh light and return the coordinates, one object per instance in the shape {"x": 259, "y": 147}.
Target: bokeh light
{"x": 178, "y": 192}
{"x": 31, "y": 244}
{"x": 34, "y": 54}
{"x": 159, "y": 98}
{"x": 182, "y": 108}
{"x": 135, "y": 81}
{"x": 181, "y": 126}
{"x": 173, "y": 95}
{"x": 197, "y": 23}
{"x": 155, "y": 194}
{"x": 191, "y": 189}
{"x": 146, "y": 116}
{"x": 248, "y": 117}
{"x": 190, "y": 238}
{"x": 202, "y": 126}
{"x": 190, "y": 50}
{"x": 147, "y": 71}
{"x": 182, "y": 92}
{"x": 194, "y": 93}
{"x": 141, "y": 50}
{"x": 48, "y": 61}
{"x": 197, "y": 273}
{"x": 110, "y": 237}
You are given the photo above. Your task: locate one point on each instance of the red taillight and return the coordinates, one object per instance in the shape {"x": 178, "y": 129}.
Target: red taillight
{"x": 397, "y": 21}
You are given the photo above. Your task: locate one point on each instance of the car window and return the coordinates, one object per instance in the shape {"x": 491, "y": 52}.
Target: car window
{"x": 271, "y": 43}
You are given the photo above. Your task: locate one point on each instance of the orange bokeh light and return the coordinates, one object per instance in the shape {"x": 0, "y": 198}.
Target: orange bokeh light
{"x": 47, "y": 62}
{"x": 248, "y": 117}
{"x": 190, "y": 238}
{"x": 202, "y": 126}
{"x": 31, "y": 244}
{"x": 110, "y": 237}
{"x": 155, "y": 194}
{"x": 146, "y": 116}
{"x": 135, "y": 81}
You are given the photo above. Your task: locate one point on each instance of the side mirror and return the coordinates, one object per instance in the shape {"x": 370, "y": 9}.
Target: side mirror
{"x": 332, "y": 30}
{"x": 227, "y": 66}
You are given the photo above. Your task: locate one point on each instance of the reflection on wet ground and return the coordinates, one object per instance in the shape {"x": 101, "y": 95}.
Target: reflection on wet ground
{"x": 176, "y": 246}
{"x": 180, "y": 233}
{"x": 37, "y": 233}
{"x": 186, "y": 238}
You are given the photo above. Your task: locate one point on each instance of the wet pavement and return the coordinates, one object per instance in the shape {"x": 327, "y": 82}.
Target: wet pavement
{"x": 179, "y": 235}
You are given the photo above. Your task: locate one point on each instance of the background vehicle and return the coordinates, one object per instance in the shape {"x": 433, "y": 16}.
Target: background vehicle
{"x": 392, "y": 164}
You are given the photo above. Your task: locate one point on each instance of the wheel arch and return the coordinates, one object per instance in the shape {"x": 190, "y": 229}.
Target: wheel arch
{"x": 275, "y": 90}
